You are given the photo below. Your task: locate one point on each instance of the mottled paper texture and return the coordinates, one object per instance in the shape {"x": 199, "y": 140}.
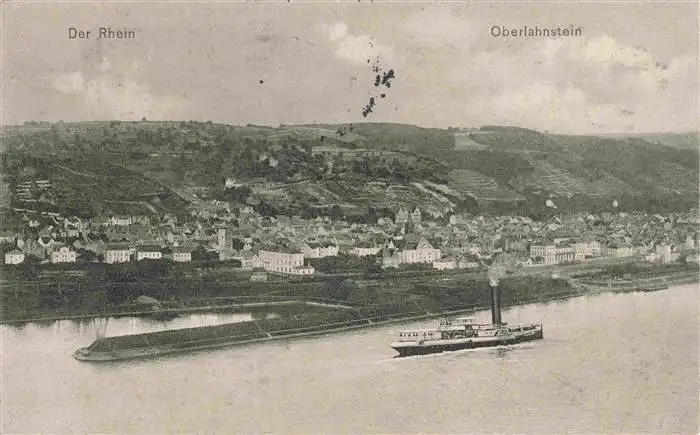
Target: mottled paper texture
{"x": 349, "y": 217}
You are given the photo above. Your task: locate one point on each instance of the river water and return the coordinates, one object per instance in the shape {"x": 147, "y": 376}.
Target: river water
{"x": 610, "y": 363}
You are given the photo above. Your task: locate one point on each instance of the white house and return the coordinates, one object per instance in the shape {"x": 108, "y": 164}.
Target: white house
{"x": 120, "y": 220}
{"x": 547, "y": 252}
{"x": 618, "y": 251}
{"x": 117, "y": 254}
{"x": 420, "y": 252}
{"x": 14, "y": 257}
{"x": 182, "y": 255}
{"x": 7, "y": 237}
{"x": 363, "y": 252}
{"x": 416, "y": 216}
{"x": 148, "y": 252}
{"x": 319, "y": 249}
{"x": 63, "y": 255}
{"x": 664, "y": 253}
{"x": 284, "y": 261}
{"x": 303, "y": 270}
{"x": 259, "y": 276}
{"x": 467, "y": 262}
{"x": 401, "y": 217}
{"x": 445, "y": 263}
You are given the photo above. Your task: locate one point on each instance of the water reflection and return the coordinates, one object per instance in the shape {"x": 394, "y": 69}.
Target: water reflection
{"x": 113, "y": 326}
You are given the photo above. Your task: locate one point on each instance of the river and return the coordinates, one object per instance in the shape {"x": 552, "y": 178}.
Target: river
{"x": 610, "y": 363}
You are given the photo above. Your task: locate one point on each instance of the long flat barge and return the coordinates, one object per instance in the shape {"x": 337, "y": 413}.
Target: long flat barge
{"x": 182, "y": 340}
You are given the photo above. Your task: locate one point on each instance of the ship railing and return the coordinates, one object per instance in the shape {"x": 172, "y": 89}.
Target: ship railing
{"x": 524, "y": 325}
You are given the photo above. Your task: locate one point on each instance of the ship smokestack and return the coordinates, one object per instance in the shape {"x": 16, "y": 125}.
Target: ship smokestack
{"x": 496, "y": 271}
{"x": 495, "y": 302}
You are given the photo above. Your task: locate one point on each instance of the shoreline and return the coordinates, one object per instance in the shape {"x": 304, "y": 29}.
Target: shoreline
{"x": 176, "y": 311}
{"x": 84, "y": 354}
{"x": 589, "y": 286}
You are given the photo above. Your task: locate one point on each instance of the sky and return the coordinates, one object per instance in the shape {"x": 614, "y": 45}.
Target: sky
{"x": 634, "y": 68}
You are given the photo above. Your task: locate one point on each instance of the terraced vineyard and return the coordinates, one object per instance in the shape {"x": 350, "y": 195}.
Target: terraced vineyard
{"x": 548, "y": 178}
{"x": 674, "y": 178}
{"x": 479, "y": 186}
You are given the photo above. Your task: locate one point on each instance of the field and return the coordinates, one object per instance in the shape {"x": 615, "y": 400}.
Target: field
{"x": 463, "y": 141}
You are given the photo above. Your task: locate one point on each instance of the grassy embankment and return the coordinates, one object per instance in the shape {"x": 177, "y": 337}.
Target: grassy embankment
{"x": 390, "y": 295}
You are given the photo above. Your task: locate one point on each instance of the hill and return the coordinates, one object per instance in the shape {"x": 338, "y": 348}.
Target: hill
{"x": 97, "y": 167}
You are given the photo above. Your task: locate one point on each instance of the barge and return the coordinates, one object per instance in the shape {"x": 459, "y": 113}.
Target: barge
{"x": 153, "y": 344}
{"x": 464, "y": 333}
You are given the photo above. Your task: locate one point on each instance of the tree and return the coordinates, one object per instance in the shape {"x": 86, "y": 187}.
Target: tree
{"x": 237, "y": 244}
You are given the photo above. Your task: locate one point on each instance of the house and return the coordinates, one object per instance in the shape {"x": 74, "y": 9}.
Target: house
{"x": 303, "y": 270}
{"x": 247, "y": 258}
{"x": 283, "y": 260}
{"x": 390, "y": 258}
{"x": 419, "y": 252}
{"x": 7, "y": 237}
{"x": 564, "y": 254}
{"x": 259, "y": 276}
{"x": 319, "y": 249}
{"x": 664, "y": 253}
{"x": 618, "y": 251}
{"x": 416, "y": 216}
{"x": 72, "y": 232}
{"x": 148, "y": 252}
{"x": 546, "y": 252}
{"x": 120, "y": 221}
{"x": 182, "y": 255}
{"x": 14, "y": 257}
{"x": 63, "y": 255}
{"x": 445, "y": 263}
{"x": 409, "y": 253}
{"x": 117, "y": 254}
{"x": 467, "y": 262}
{"x": 689, "y": 243}
{"x": 401, "y": 217}
{"x": 363, "y": 252}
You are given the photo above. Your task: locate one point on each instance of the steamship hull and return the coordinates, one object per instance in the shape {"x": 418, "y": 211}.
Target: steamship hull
{"x": 428, "y": 347}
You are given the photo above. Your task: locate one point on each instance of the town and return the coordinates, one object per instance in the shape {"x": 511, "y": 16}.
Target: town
{"x": 294, "y": 246}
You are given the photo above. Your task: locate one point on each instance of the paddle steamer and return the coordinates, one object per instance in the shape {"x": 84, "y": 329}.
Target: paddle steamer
{"x": 464, "y": 333}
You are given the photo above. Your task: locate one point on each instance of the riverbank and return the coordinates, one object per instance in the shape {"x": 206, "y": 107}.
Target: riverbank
{"x": 650, "y": 283}
{"x": 195, "y": 339}
{"x": 175, "y": 312}
{"x": 389, "y": 297}
{"x": 101, "y": 291}
{"x": 103, "y": 349}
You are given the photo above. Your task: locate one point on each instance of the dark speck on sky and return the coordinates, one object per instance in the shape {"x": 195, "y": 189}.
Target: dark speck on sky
{"x": 261, "y": 82}
{"x": 380, "y": 78}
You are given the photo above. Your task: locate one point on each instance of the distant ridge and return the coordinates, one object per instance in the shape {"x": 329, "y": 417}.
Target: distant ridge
{"x": 355, "y": 166}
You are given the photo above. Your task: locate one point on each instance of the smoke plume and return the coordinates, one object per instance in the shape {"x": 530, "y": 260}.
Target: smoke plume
{"x": 497, "y": 270}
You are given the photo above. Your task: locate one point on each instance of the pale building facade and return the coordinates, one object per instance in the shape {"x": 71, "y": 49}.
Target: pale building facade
{"x": 117, "y": 255}
{"x": 63, "y": 255}
{"x": 14, "y": 257}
